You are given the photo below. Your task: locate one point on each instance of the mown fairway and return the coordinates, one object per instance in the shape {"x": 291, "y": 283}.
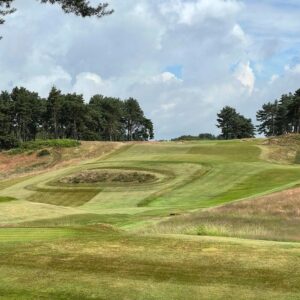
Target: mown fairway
{"x": 54, "y": 245}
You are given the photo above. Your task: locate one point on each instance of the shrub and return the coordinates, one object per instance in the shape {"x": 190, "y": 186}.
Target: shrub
{"x": 43, "y": 153}
{"x": 8, "y": 142}
{"x": 6, "y": 199}
{"x": 40, "y": 144}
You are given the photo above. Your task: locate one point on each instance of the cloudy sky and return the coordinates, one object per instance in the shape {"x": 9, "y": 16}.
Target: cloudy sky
{"x": 182, "y": 59}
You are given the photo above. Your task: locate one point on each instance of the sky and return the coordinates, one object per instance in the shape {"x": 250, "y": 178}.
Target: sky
{"x": 182, "y": 59}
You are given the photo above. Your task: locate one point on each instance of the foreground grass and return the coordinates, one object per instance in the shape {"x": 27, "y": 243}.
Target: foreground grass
{"x": 100, "y": 263}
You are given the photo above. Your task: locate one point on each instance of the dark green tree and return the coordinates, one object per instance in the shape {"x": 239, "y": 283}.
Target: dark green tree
{"x": 267, "y": 118}
{"x": 27, "y": 114}
{"x": 282, "y": 122}
{"x": 24, "y": 116}
{"x": 133, "y": 118}
{"x": 294, "y": 112}
{"x": 7, "y": 137}
{"x": 233, "y": 125}
{"x": 244, "y": 127}
{"x": 72, "y": 117}
{"x": 144, "y": 132}
{"x": 110, "y": 112}
{"x": 54, "y": 112}
{"x": 227, "y": 122}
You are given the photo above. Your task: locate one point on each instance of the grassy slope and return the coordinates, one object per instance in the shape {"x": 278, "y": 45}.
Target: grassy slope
{"x": 69, "y": 257}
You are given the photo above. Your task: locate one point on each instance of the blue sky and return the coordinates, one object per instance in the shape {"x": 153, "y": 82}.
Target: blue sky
{"x": 182, "y": 59}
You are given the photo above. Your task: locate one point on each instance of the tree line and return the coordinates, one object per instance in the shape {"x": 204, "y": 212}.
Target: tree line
{"x": 281, "y": 116}
{"x": 201, "y": 136}
{"x": 25, "y": 116}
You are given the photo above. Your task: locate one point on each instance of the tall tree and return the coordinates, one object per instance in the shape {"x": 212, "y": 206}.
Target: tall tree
{"x": 145, "y": 131}
{"x": 267, "y": 116}
{"x": 133, "y": 118}
{"x": 283, "y": 123}
{"x": 7, "y": 137}
{"x": 54, "y": 112}
{"x": 226, "y": 122}
{"x": 294, "y": 112}
{"x": 244, "y": 127}
{"x": 233, "y": 125}
{"x": 26, "y": 113}
{"x": 73, "y": 113}
{"x": 110, "y": 110}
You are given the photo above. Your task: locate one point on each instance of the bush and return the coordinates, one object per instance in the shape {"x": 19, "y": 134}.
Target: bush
{"x": 8, "y": 142}
{"x": 6, "y": 199}
{"x": 43, "y": 153}
{"x": 40, "y": 144}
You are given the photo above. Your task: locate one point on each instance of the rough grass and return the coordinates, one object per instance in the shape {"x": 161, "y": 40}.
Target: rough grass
{"x": 273, "y": 217}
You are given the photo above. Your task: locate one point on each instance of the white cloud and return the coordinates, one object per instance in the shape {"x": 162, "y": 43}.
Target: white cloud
{"x": 42, "y": 83}
{"x": 273, "y": 78}
{"x": 239, "y": 33}
{"x": 191, "y": 12}
{"x": 245, "y": 75}
{"x": 168, "y": 106}
{"x": 90, "y": 84}
{"x": 165, "y": 77}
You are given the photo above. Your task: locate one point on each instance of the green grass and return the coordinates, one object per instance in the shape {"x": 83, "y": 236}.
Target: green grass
{"x": 6, "y": 199}
{"x": 63, "y": 198}
{"x": 153, "y": 240}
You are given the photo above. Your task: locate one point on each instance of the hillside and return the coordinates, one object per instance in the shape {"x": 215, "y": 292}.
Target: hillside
{"x": 161, "y": 220}
{"x": 30, "y": 162}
